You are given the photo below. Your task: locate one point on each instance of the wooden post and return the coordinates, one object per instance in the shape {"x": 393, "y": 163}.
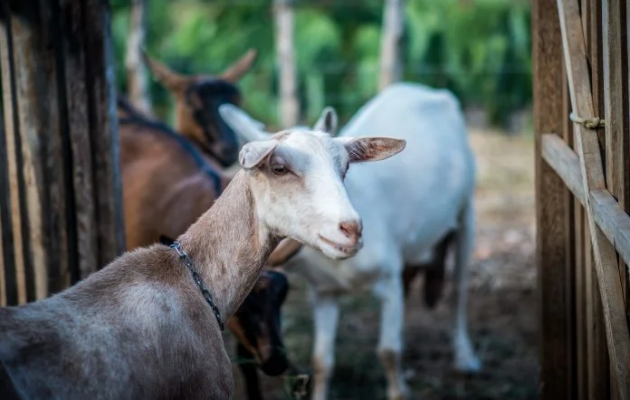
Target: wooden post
{"x": 285, "y": 55}
{"x": 391, "y": 38}
{"x": 552, "y": 209}
{"x": 137, "y": 83}
{"x": 62, "y": 174}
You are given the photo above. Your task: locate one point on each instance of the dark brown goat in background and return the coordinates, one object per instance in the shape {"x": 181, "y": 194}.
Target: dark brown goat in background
{"x": 171, "y": 178}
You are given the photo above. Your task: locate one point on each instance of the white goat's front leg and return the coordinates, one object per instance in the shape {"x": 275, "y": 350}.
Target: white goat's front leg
{"x": 326, "y": 313}
{"x": 390, "y": 292}
{"x": 465, "y": 358}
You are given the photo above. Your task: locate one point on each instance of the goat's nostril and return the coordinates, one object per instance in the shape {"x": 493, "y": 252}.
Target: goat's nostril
{"x": 351, "y": 229}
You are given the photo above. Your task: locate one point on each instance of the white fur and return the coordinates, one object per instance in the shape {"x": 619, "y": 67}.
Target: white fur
{"x": 407, "y": 204}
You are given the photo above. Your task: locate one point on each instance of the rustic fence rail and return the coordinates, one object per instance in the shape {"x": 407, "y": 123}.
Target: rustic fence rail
{"x": 583, "y": 196}
{"x": 60, "y": 191}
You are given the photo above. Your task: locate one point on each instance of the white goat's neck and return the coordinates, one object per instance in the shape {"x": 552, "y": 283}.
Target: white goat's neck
{"x": 229, "y": 245}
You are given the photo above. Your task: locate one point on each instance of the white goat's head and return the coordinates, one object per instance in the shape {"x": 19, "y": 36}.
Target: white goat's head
{"x": 297, "y": 176}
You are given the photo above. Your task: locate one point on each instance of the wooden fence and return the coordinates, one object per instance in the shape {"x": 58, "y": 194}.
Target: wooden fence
{"x": 581, "y": 115}
{"x": 60, "y": 196}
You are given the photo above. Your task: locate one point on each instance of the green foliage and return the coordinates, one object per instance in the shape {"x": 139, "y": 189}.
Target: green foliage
{"x": 480, "y": 49}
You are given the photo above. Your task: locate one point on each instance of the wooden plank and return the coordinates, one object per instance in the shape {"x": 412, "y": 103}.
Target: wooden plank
{"x": 593, "y": 10}
{"x": 616, "y": 100}
{"x": 580, "y": 308}
{"x": 56, "y": 157}
{"x": 592, "y": 172}
{"x": 597, "y": 355}
{"x": 76, "y": 80}
{"x": 615, "y": 59}
{"x": 3, "y": 205}
{"x": 104, "y": 133}
{"x": 6, "y": 67}
{"x": 14, "y": 157}
{"x": 609, "y": 216}
{"x": 564, "y": 162}
{"x": 627, "y": 205}
{"x": 598, "y": 360}
{"x": 552, "y": 253}
{"x": 570, "y": 245}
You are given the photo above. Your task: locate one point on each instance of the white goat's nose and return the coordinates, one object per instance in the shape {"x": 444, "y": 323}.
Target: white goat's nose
{"x": 351, "y": 229}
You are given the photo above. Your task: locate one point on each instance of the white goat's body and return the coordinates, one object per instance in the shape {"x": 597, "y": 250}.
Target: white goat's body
{"x": 408, "y": 204}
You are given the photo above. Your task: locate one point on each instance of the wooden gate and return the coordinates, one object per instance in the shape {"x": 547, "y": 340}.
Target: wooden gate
{"x": 60, "y": 196}
{"x": 581, "y": 115}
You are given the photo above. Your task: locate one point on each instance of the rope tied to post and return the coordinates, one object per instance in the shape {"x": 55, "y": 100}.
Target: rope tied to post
{"x": 588, "y": 123}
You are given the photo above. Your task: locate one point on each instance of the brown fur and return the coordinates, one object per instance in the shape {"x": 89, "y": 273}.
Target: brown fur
{"x": 164, "y": 190}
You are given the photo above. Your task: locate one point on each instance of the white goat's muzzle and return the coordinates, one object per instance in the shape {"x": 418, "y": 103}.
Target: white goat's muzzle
{"x": 343, "y": 241}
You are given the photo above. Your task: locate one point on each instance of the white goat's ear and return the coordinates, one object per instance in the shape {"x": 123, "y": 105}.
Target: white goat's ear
{"x": 247, "y": 128}
{"x": 361, "y": 149}
{"x": 327, "y": 122}
{"x": 253, "y": 154}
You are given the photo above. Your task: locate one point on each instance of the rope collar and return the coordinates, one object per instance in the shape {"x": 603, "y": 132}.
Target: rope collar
{"x": 197, "y": 278}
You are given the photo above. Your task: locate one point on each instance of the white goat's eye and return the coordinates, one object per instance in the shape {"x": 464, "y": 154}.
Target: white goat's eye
{"x": 279, "y": 169}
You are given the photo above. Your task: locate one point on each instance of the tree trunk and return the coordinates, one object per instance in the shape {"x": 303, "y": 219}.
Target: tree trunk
{"x": 137, "y": 83}
{"x": 289, "y": 105}
{"x": 391, "y": 63}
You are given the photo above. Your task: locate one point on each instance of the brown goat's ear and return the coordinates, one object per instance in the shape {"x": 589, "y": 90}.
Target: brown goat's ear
{"x": 170, "y": 79}
{"x": 236, "y": 71}
{"x": 327, "y": 122}
{"x": 253, "y": 154}
{"x": 361, "y": 149}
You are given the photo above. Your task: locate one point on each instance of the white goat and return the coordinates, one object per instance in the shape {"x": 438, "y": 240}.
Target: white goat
{"x": 408, "y": 204}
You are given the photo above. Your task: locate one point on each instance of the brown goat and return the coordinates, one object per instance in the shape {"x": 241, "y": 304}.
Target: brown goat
{"x": 197, "y": 99}
{"x": 141, "y": 328}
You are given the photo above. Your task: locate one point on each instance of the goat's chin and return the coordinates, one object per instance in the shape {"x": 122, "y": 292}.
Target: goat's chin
{"x": 335, "y": 252}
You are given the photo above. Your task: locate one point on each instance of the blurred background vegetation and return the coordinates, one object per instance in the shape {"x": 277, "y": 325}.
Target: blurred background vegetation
{"x": 479, "y": 49}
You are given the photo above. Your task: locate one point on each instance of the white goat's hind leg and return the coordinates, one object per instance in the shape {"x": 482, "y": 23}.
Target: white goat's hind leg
{"x": 390, "y": 291}
{"x": 326, "y": 312}
{"x": 465, "y": 358}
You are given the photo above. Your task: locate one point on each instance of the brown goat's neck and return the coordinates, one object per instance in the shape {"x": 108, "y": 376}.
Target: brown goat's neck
{"x": 229, "y": 246}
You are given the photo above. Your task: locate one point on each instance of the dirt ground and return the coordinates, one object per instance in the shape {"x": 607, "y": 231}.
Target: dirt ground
{"x": 502, "y": 303}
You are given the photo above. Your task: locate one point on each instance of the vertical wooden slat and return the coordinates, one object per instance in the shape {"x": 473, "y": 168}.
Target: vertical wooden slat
{"x": 570, "y": 245}
{"x": 580, "y": 282}
{"x": 32, "y": 85}
{"x": 616, "y": 105}
{"x": 627, "y": 179}
{"x": 597, "y": 351}
{"x": 3, "y": 296}
{"x": 555, "y": 373}
{"x": 14, "y": 154}
{"x": 104, "y": 133}
{"x": 8, "y": 250}
{"x": 56, "y": 161}
{"x": 76, "y": 79}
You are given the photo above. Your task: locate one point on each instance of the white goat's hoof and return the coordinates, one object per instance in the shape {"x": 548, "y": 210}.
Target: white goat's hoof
{"x": 400, "y": 392}
{"x": 468, "y": 364}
